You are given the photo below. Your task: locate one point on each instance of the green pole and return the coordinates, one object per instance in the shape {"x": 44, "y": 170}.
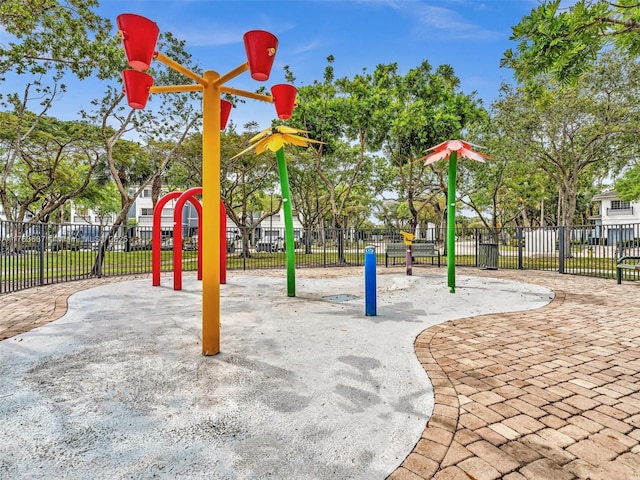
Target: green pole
{"x": 451, "y": 222}
{"x": 288, "y": 223}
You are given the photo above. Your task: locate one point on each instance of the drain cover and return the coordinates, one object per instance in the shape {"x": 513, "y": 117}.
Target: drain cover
{"x": 340, "y": 298}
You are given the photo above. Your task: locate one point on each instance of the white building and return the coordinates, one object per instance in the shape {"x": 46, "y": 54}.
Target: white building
{"x": 615, "y": 219}
{"x": 141, "y": 213}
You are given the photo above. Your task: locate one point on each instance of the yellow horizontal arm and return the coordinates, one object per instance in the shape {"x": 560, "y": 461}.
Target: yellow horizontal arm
{"x": 179, "y": 68}
{"x": 232, "y": 74}
{"x": 242, "y": 93}
{"x": 176, "y": 88}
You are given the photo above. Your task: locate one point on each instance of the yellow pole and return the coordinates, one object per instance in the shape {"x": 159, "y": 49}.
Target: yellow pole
{"x": 242, "y": 93}
{"x": 210, "y": 215}
{"x": 179, "y": 68}
{"x": 196, "y": 87}
{"x": 211, "y": 85}
{"x": 232, "y": 74}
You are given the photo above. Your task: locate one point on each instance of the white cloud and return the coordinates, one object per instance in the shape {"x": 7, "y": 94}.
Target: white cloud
{"x": 307, "y": 47}
{"x": 210, "y": 34}
{"x": 439, "y": 19}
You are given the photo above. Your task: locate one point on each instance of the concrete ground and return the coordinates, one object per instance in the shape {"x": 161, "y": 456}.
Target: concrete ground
{"x": 309, "y": 387}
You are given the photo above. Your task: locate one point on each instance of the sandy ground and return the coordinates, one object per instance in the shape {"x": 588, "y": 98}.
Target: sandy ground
{"x": 305, "y": 387}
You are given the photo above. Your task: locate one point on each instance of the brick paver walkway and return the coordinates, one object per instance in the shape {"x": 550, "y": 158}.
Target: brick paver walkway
{"x": 544, "y": 394}
{"x": 21, "y": 311}
{"x": 550, "y": 394}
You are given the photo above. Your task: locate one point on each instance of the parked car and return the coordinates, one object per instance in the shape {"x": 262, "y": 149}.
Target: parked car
{"x": 75, "y": 237}
{"x": 188, "y": 243}
{"x": 32, "y": 237}
{"x": 139, "y": 243}
{"x": 272, "y": 245}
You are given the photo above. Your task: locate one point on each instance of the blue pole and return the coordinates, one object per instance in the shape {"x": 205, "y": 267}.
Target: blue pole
{"x": 370, "y": 280}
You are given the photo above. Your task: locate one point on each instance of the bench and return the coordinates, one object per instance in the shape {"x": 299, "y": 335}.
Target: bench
{"x": 418, "y": 250}
{"x": 628, "y": 262}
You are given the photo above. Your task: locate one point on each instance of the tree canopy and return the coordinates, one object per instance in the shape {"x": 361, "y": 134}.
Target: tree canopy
{"x": 51, "y": 37}
{"x": 565, "y": 42}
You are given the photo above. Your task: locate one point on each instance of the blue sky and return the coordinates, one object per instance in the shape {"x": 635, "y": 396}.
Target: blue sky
{"x": 470, "y": 35}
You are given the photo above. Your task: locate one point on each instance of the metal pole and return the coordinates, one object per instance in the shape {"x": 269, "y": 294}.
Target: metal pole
{"x": 520, "y": 247}
{"x": 370, "y": 280}
{"x": 211, "y": 215}
{"x": 561, "y": 249}
{"x": 41, "y": 248}
{"x": 408, "y": 261}
{"x": 451, "y": 223}
{"x": 287, "y": 210}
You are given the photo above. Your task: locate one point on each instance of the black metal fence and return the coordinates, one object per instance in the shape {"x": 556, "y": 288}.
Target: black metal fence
{"x": 43, "y": 254}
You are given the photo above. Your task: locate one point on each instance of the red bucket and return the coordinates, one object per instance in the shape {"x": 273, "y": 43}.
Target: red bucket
{"x": 139, "y": 37}
{"x": 261, "y": 50}
{"x": 225, "y": 110}
{"x": 284, "y": 98}
{"x": 136, "y": 86}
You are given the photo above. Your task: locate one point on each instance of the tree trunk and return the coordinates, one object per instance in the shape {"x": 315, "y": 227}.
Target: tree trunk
{"x": 339, "y": 231}
{"x": 246, "y": 243}
{"x": 96, "y": 270}
{"x": 567, "y": 197}
{"x": 308, "y": 232}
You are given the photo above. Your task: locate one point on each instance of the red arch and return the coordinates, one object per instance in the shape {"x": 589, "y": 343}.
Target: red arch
{"x": 156, "y": 233}
{"x": 188, "y": 195}
{"x": 177, "y": 236}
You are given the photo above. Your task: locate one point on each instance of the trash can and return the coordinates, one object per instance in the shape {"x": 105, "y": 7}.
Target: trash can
{"x": 488, "y": 256}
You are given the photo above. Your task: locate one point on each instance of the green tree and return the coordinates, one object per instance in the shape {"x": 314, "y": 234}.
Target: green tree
{"x": 48, "y": 40}
{"x": 244, "y": 181}
{"x": 102, "y": 200}
{"x": 308, "y": 192}
{"x": 628, "y": 186}
{"x": 565, "y": 42}
{"x": 51, "y": 37}
{"x": 186, "y": 171}
{"x": 425, "y": 107}
{"x": 344, "y": 114}
{"x": 45, "y": 167}
{"x": 576, "y": 134}
{"x": 163, "y": 125}
{"x": 506, "y": 189}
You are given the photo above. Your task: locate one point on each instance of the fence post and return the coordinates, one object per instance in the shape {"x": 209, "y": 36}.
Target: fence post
{"x": 324, "y": 249}
{"x": 620, "y": 240}
{"x": 477, "y": 238}
{"x": 2, "y": 257}
{"x": 41, "y": 246}
{"x": 244, "y": 257}
{"x": 520, "y": 246}
{"x": 100, "y": 250}
{"x": 561, "y": 249}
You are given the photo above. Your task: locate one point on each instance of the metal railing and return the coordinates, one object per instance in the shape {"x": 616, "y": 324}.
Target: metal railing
{"x": 42, "y": 254}
{"x": 620, "y": 211}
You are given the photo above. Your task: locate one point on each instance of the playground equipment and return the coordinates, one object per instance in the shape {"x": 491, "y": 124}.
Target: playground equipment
{"x": 370, "y": 307}
{"x": 156, "y": 241}
{"x": 408, "y": 238}
{"x": 274, "y": 139}
{"x": 188, "y": 195}
{"x": 139, "y": 37}
{"x": 450, "y": 150}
